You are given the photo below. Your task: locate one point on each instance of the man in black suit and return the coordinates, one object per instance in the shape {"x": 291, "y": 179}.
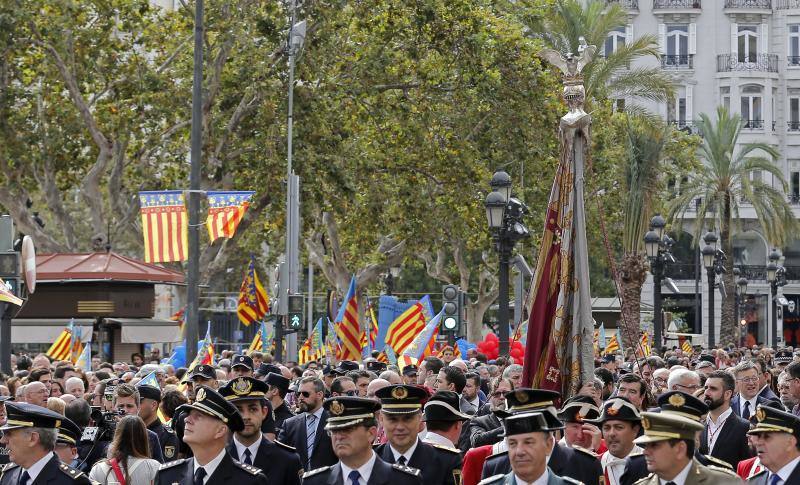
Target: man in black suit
{"x": 208, "y": 424}
{"x": 777, "y": 441}
{"x": 30, "y": 435}
{"x": 306, "y": 431}
{"x": 401, "y": 416}
{"x": 765, "y": 381}
{"x": 725, "y": 434}
{"x": 279, "y": 462}
{"x": 745, "y": 402}
{"x": 487, "y": 429}
{"x": 353, "y": 429}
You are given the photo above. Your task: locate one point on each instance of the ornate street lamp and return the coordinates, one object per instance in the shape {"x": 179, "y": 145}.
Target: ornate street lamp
{"x": 776, "y": 275}
{"x": 741, "y": 296}
{"x": 713, "y": 259}
{"x": 657, "y": 246}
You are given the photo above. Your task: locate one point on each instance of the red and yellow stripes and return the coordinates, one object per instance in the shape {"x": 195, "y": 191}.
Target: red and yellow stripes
{"x": 405, "y": 328}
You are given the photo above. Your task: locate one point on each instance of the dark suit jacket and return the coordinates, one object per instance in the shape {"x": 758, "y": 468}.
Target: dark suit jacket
{"x": 280, "y": 465}
{"x": 294, "y": 434}
{"x": 564, "y": 462}
{"x": 436, "y": 465}
{"x": 485, "y": 430}
{"x": 552, "y": 479}
{"x": 736, "y": 404}
{"x": 763, "y": 477}
{"x": 53, "y": 473}
{"x": 227, "y": 472}
{"x": 731, "y": 442}
{"x": 768, "y": 394}
{"x": 382, "y": 474}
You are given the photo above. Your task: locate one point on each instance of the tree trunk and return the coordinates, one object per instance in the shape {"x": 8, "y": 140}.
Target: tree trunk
{"x": 727, "y": 323}
{"x": 632, "y": 274}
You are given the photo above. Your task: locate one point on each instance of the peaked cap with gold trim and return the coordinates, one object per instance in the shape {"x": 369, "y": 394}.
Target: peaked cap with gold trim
{"x": 682, "y": 404}
{"x": 348, "y": 411}
{"x": 666, "y": 426}
{"x": 25, "y": 415}
{"x": 210, "y": 402}
{"x": 244, "y": 388}
{"x": 401, "y": 399}
{"x": 772, "y": 420}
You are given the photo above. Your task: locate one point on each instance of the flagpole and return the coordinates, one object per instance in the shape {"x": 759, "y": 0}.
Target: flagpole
{"x": 193, "y": 266}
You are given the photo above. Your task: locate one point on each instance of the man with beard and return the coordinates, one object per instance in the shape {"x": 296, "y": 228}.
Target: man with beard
{"x": 353, "y": 429}
{"x": 777, "y": 441}
{"x": 488, "y": 430}
{"x": 725, "y": 434}
{"x": 620, "y": 423}
{"x": 279, "y": 462}
{"x": 401, "y": 416}
{"x": 306, "y": 431}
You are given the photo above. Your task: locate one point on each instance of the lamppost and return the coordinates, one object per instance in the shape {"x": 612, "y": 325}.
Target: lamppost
{"x": 393, "y": 273}
{"x": 713, "y": 259}
{"x": 776, "y": 275}
{"x": 741, "y": 295}
{"x": 657, "y": 246}
{"x": 504, "y": 214}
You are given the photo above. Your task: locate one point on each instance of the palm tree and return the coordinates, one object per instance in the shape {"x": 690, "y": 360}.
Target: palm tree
{"x": 723, "y": 182}
{"x": 608, "y": 76}
{"x": 641, "y": 170}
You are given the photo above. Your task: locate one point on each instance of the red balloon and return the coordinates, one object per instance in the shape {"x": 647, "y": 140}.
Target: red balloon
{"x": 491, "y": 337}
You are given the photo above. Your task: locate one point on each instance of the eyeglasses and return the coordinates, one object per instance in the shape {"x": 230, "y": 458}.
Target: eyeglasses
{"x": 693, "y": 387}
{"x": 748, "y": 380}
{"x": 351, "y": 393}
{"x": 498, "y": 393}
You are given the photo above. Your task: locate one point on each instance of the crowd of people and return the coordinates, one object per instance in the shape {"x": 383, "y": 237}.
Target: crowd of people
{"x": 720, "y": 417}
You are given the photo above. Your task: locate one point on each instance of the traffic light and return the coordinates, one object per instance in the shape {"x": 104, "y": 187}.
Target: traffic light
{"x": 295, "y": 313}
{"x": 451, "y": 308}
{"x": 9, "y": 271}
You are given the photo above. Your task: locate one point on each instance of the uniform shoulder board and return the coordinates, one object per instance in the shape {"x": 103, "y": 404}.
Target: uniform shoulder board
{"x": 763, "y": 470}
{"x": 171, "y": 464}
{"x": 317, "y": 471}
{"x": 406, "y": 469}
{"x": 445, "y": 447}
{"x": 585, "y": 451}
{"x": 726, "y": 471}
{"x": 491, "y": 479}
{"x": 572, "y": 480}
{"x": 8, "y": 466}
{"x": 248, "y": 468}
{"x": 71, "y": 472}
{"x": 645, "y": 479}
{"x": 634, "y": 455}
{"x": 718, "y": 463}
{"x": 169, "y": 429}
{"x": 285, "y": 446}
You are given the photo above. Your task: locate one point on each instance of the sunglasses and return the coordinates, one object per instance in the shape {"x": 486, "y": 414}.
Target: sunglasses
{"x": 498, "y": 393}
{"x": 305, "y": 394}
{"x": 351, "y": 393}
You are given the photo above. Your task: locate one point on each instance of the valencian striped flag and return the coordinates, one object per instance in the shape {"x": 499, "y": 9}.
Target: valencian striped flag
{"x": 312, "y": 349}
{"x": 84, "y": 361}
{"x": 612, "y": 346}
{"x": 262, "y": 340}
{"x": 347, "y": 328}
{"x": 422, "y": 345}
{"x": 408, "y": 325}
{"x": 225, "y": 212}
{"x": 164, "y": 226}
{"x": 686, "y": 346}
{"x": 63, "y": 345}
{"x": 253, "y": 299}
{"x": 644, "y": 346}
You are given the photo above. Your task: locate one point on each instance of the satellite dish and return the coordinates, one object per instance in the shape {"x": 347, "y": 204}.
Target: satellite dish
{"x": 29, "y": 264}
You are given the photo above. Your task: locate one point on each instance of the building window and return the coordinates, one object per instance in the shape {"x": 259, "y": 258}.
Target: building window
{"x": 794, "y": 45}
{"x": 748, "y": 43}
{"x": 751, "y": 107}
{"x": 794, "y": 114}
{"x": 725, "y": 96}
{"x": 615, "y": 40}
{"x": 794, "y": 187}
{"x": 677, "y": 46}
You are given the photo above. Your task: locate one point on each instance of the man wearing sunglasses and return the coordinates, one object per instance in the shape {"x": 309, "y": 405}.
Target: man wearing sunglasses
{"x": 343, "y": 386}
{"x": 306, "y": 431}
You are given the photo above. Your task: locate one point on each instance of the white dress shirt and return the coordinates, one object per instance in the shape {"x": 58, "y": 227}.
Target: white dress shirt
{"x": 209, "y": 467}
{"x": 713, "y": 428}
{"x": 396, "y": 454}
{"x": 614, "y": 467}
{"x": 253, "y": 448}
{"x": 680, "y": 479}
{"x": 364, "y": 470}
{"x": 36, "y": 468}
{"x": 786, "y": 471}
{"x": 542, "y": 480}
{"x": 752, "y": 402}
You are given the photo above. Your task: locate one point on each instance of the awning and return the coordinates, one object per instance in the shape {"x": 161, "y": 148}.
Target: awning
{"x": 45, "y": 330}
{"x": 146, "y": 330}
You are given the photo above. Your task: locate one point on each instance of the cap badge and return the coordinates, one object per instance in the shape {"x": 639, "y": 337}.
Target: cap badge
{"x": 579, "y": 417}
{"x": 521, "y": 396}
{"x": 677, "y": 400}
{"x": 611, "y": 411}
{"x": 336, "y": 408}
{"x": 761, "y": 415}
{"x": 645, "y": 423}
{"x": 242, "y": 387}
{"x": 201, "y": 395}
{"x": 399, "y": 393}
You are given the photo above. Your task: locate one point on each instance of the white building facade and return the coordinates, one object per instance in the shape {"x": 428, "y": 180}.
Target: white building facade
{"x": 745, "y": 55}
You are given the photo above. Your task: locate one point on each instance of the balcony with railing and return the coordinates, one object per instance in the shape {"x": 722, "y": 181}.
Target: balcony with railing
{"x": 752, "y": 124}
{"x": 793, "y": 126}
{"x": 676, "y": 5}
{"x": 793, "y": 61}
{"x": 749, "y": 4}
{"x": 626, "y": 4}
{"x": 747, "y": 63}
{"x": 685, "y": 125}
{"x": 683, "y": 61}
{"x": 786, "y": 4}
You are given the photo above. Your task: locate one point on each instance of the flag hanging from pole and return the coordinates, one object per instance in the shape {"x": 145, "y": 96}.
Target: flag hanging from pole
{"x": 164, "y": 226}
{"x": 408, "y": 325}
{"x": 613, "y": 345}
{"x": 84, "y": 360}
{"x": 422, "y": 345}
{"x": 347, "y": 328}
{"x": 62, "y": 347}
{"x": 225, "y": 212}
{"x": 262, "y": 340}
{"x": 644, "y": 344}
{"x": 253, "y": 299}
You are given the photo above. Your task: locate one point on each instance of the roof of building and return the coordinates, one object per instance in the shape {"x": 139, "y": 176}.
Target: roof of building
{"x": 101, "y": 266}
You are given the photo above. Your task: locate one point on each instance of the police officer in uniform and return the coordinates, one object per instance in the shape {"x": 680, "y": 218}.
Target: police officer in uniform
{"x": 3, "y": 449}
{"x": 401, "y": 416}
{"x": 353, "y": 428}
{"x": 576, "y": 463}
{"x": 30, "y": 435}
{"x": 166, "y": 436}
{"x": 279, "y": 387}
{"x": 279, "y": 462}
{"x": 67, "y": 443}
{"x": 201, "y": 375}
{"x": 669, "y": 442}
{"x": 530, "y": 441}
{"x": 778, "y": 427}
{"x": 209, "y": 421}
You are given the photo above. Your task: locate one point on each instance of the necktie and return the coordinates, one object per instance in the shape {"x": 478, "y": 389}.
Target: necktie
{"x": 23, "y": 479}
{"x": 247, "y": 455}
{"x": 311, "y": 432}
{"x": 401, "y": 460}
{"x": 774, "y": 479}
{"x": 199, "y": 475}
{"x": 354, "y": 476}
{"x": 746, "y": 412}
{"x": 670, "y": 483}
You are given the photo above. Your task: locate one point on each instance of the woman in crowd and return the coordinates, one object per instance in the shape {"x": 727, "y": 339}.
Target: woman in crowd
{"x": 127, "y": 462}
